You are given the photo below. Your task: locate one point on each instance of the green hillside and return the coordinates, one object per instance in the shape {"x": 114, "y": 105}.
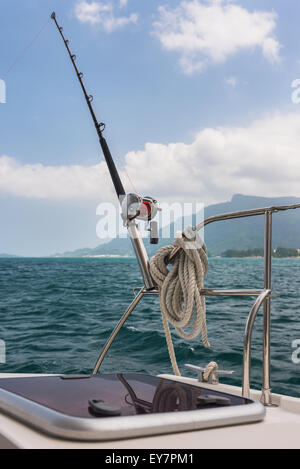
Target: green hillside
{"x": 243, "y": 234}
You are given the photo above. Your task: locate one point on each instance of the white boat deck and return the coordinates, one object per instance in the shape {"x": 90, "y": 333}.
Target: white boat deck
{"x": 280, "y": 429}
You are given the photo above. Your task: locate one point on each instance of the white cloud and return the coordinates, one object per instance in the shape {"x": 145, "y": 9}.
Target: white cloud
{"x": 123, "y": 3}
{"x": 210, "y": 31}
{"x": 91, "y": 12}
{"x": 260, "y": 159}
{"x": 103, "y": 14}
{"x": 271, "y": 49}
{"x": 232, "y": 81}
{"x": 36, "y": 181}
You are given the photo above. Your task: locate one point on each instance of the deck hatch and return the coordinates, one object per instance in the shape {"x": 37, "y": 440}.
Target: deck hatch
{"x": 148, "y": 405}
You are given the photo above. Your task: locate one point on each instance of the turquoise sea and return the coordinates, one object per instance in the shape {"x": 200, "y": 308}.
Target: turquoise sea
{"x": 55, "y": 315}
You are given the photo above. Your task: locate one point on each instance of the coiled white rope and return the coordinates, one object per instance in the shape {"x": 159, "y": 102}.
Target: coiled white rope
{"x": 181, "y": 303}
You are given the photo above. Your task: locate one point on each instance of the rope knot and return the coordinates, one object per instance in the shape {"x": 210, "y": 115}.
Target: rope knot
{"x": 210, "y": 369}
{"x": 181, "y": 301}
{"x": 190, "y": 241}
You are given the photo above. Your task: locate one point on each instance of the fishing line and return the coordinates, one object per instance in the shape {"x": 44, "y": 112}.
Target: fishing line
{"x": 21, "y": 55}
{"x": 126, "y": 173}
{"x": 123, "y": 167}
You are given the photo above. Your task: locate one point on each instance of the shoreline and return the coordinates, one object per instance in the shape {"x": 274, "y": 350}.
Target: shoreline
{"x": 116, "y": 256}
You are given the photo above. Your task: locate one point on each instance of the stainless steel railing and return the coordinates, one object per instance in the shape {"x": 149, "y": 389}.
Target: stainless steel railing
{"x": 263, "y": 298}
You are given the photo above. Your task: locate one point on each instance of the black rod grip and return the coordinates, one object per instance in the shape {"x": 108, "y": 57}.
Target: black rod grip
{"x": 112, "y": 169}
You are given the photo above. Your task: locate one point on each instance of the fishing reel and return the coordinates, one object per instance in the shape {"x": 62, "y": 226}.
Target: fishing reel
{"x": 135, "y": 207}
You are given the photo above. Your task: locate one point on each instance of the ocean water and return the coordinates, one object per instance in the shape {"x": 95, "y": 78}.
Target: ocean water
{"x": 56, "y": 314}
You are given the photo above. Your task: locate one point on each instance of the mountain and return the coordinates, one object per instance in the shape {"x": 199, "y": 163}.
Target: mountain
{"x": 247, "y": 233}
{"x": 242, "y": 234}
{"x": 7, "y": 256}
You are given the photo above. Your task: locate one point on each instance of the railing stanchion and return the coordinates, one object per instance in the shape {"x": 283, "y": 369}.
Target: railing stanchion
{"x": 266, "y": 397}
{"x": 247, "y": 341}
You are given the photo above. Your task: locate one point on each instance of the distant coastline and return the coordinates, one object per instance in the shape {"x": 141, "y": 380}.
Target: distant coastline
{"x": 8, "y": 256}
{"x": 241, "y": 234}
{"x": 106, "y": 256}
{"x": 278, "y": 253}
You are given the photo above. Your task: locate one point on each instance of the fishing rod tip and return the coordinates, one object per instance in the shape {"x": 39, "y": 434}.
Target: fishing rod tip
{"x": 53, "y": 16}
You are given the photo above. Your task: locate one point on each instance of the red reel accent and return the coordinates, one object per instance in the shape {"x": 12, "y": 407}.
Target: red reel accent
{"x": 146, "y": 209}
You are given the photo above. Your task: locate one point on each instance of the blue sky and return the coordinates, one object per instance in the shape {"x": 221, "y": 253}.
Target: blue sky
{"x": 194, "y": 112}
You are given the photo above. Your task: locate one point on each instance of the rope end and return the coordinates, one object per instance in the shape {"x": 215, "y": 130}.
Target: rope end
{"x": 53, "y": 16}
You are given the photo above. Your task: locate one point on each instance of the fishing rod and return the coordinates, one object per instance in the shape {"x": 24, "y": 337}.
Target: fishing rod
{"x": 134, "y": 207}
{"x": 100, "y": 126}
